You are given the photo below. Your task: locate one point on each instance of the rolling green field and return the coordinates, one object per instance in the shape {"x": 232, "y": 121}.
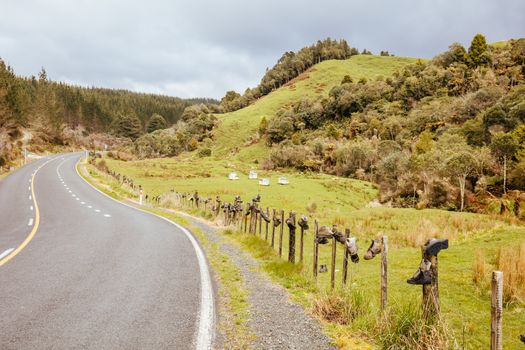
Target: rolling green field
{"x": 345, "y": 202}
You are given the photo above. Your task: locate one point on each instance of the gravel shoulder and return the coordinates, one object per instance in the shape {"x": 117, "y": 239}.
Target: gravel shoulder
{"x": 276, "y": 321}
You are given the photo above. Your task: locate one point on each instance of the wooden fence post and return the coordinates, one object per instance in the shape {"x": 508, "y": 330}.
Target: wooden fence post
{"x": 260, "y": 220}
{"x": 268, "y": 216}
{"x": 281, "y": 234}
{"x": 291, "y": 241}
{"x": 316, "y": 250}
{"x": 273, "y": 229}
{"x": 301, "y": 245}
{"x": 246, "y": 220}
{"x": 345, "y": 258}
{"x": 496, "y": 311}
{"x": 431, "y": 291}
{"x": 218, "y": 209}
{"x": 384, "y": 274}
{"x": 332, "y": 267}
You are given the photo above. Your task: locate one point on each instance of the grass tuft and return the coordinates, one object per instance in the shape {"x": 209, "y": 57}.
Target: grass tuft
{"x": 511, "y": 261}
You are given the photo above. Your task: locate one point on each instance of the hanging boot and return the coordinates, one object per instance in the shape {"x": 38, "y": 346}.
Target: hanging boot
{"x": 435, "y": 245}
{"x": 303, "y": 222}
{"x": 264, "y": 216}
{"x": 422, "y": 275}
{"x": 351, "y": 245}
{"x": 323, "y": 235}
{"x": 375, "y": 248}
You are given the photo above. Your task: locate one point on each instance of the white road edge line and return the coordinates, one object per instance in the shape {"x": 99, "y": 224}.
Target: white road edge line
{"x": 30, "y": 223}
{"x": 205, "y": 329}
{"x": 6, "y": 253}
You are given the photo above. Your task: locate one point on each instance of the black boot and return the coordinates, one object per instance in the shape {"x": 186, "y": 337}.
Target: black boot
{"x": 522, "y": 337}
{"x": 422, "y": 275}
{"x": 435, "y": 245}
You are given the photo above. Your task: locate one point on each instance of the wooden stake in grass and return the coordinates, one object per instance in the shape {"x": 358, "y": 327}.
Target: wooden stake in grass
{"x": 316, "y": 250}
{"x": 496, "y": 311}
{"x": 334, "y": 253}
{"x": 291, "y": 242}
{"x": 345, "y": 258}
{"x": 281, "y": 234}
{"x": 431, "y": 291}
{"x": 267, "y": 216}
{"x": 259, "y": 214}
{"x": 218, "y": 207}
{"x": 384, "y": 274}
{"x": 303, "y": 223}
{"x": 273, "y": 229}
{"x": 246, "y": 220}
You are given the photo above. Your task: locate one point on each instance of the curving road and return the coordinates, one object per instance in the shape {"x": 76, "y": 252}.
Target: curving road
{"x": 79, "y": 270}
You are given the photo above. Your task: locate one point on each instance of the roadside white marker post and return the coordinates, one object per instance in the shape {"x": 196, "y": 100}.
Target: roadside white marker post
{"x": 140, "y": 197}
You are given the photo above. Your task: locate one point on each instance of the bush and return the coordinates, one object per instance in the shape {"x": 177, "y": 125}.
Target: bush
{"x": 204, "y": 152}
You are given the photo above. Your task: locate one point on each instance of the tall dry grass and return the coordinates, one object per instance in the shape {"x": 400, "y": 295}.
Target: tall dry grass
{"x": 479, "y": 269}
{"x": 511, "y": 261}
{"x": 405, "y": 328}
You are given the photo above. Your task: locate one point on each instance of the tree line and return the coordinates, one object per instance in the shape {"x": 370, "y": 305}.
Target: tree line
{"x": 48, "y": 108}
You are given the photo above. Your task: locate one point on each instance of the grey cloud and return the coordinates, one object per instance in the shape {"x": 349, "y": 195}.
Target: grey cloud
{"x": 203, "y": 48}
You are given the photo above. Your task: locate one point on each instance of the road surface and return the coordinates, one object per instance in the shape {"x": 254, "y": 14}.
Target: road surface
{"x": 79, "y": 270}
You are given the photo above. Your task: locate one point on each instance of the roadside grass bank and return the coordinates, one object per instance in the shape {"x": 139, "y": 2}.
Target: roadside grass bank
{"x": 233, "y": 305}
{"x": 464, "y": 285}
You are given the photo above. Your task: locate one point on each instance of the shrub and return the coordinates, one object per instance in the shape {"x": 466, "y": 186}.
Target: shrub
{"x": 204, "y": 152}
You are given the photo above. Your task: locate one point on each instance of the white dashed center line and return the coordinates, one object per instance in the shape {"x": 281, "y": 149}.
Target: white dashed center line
{"x": 107, "y": 215}
{"x": 31, "y": 207}
{"x": 97, "y": 210}
{"x": 82, "y": 203}
{"x": 30, "y": 223}
{"x": 30, "y": 197}
{"x": 89, "y": 206}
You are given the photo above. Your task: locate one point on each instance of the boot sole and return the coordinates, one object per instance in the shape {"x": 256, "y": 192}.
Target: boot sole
{"x": 435, "y": 248}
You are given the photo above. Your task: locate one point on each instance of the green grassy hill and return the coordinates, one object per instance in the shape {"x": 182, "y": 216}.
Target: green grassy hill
{"x": 236, "y": 128}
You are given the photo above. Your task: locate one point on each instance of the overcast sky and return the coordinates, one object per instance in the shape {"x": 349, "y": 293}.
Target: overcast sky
{"x": 197, "y": 48}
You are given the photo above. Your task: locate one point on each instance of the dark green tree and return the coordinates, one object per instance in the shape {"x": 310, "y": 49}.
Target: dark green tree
{"x": 127, "y": 126}
{"x": 156, "y": 122}
{"x": 477, "y": 53}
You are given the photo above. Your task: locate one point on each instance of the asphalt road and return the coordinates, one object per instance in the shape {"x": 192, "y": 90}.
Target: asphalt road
{"x": 91, "y": 273}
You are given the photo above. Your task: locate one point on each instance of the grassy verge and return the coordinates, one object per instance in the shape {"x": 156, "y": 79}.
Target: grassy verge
{"x": 233, "y": 296}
